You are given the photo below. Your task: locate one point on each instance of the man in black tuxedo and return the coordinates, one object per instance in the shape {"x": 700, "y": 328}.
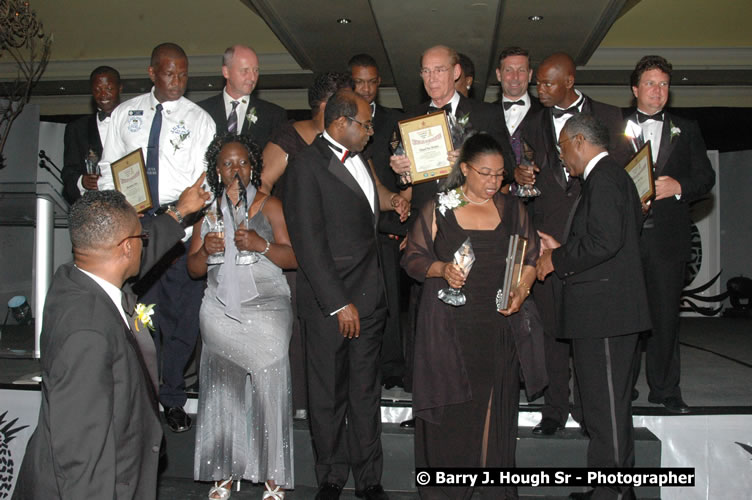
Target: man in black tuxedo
{"x": 99, "y": 434}
{"x": 604, "y": 303}
{"x": 235, "y": 109}
{"x": 520, "y": 108}
{"x": 683, "y": 174}
{"x": 366, "y": 80}
{"x": 439, "y": 70}
{"x": 84, "y": 137}
{"x": 331, "y": 208}
{"x": 561, "y": 101}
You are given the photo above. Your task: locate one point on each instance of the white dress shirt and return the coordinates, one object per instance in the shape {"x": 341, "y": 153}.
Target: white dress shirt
{"x": 103, "y": 126}
{"x": 651, "y": 131}
{"x": 357, "y": 169}
{"x": 241, "y": 110}
{"x": 454, "y": 101}
{"x": 514, "y": 115}
{"x": 113, "y": 292}
{"x": 560, "y": 121}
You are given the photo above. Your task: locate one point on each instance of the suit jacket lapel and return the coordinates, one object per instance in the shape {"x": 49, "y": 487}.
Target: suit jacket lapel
{"x": 246, "y": 121}
{"x": 336, "y": 168}
{"x": 550, "y": 143}
{"x": 95, "y": 142}
{"x": 667, "y": 145}
{"x": 143, "y": 340}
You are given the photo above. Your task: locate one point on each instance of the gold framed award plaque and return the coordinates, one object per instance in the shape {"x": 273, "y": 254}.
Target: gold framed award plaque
{"x": 640, "y": 169}
{"x": 427, "y": 142}
{"x": 129, "y": 176}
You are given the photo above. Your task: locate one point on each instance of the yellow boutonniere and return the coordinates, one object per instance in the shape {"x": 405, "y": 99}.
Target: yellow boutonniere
{"x": 143, "y": 315}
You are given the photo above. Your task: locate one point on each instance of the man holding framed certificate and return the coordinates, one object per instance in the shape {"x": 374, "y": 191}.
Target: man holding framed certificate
{"x": 682, "y": 174}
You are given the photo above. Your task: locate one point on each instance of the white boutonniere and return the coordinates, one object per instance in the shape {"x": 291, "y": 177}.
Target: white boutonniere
{"x": 675, "y": 131}
{"x": 463, "y": 120}
{"x": 182, "y": 134}
{"x": 451, "y": 200}
{"x": 143, "y": 315}
{"x": 251, "y": 115}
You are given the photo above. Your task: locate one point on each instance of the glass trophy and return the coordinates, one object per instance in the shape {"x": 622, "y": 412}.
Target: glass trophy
{"x": 92, "y": 163}
{"x": 527, "y": 159}
{"x": 215, "y": 224}
{"x": 240, "y": 213}
{"x": 463, "y": 257}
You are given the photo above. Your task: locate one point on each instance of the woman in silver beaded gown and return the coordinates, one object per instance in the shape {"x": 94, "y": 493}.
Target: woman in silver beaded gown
{"x": 244, "y": 428}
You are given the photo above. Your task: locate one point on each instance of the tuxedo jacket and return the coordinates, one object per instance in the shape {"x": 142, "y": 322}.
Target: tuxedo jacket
{"x": 603, "y": 288}
{"x": 98, "y": 434}
{"x": 270, "y": 117}
{"x": 551, "y": 209}
{"x": 81, "y": 136}
{"x": 528, "y": 123}
{"x": 484, "y": 117}
{"x": 378, "y": 150}
{"x": 333, "y": 232}
{"x": 684, "y": 158}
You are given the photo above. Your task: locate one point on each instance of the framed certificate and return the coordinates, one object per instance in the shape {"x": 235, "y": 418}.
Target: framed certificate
{"x": 129, "y": 176}
{"x": 640, "y": 169}
{"x": 427, "y": 142}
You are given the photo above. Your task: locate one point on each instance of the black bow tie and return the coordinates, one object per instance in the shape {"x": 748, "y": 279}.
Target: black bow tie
{"x": 509, "y": 104}
{"x": 343, "y": 153}
{"x": 445, "y": 107}
{"x": 642, "y": 117}
{"x": 558, "y": 113}
{"x": 102, "y": 115}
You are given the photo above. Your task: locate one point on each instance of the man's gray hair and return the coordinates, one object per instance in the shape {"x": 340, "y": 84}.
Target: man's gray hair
{"x": 590, "y": 127}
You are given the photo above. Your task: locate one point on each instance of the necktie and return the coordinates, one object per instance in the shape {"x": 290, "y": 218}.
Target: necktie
{"x": 558, "y": 113}
{"x": 445, "y": 107}
{"x": 642, "y": 117}
{"x": 509, "y": 104}
{"x": 152, "y": 157}
{"x": 232, "y": 119}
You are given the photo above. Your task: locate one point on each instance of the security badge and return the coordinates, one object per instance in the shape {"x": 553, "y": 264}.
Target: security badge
{"x": 135, "y": 119}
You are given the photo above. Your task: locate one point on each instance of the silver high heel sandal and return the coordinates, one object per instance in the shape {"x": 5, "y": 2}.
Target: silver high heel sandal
{"x": 273, "y": 494}
{"x": 221, "y": 491}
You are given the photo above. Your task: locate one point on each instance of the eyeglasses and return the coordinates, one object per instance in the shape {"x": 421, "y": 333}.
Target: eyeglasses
{"x": 486, "y": 174}
{"x": 562, "y": 142}
{"x": 144, "y": 237}
{"x": 368, "y": 125}
{"x": 426, "y": 72}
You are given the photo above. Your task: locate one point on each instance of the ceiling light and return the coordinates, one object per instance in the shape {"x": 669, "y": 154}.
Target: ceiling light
{"x": 343, "y": 20}
{"x": 684, "y": 79}
{"x": 535, "y": 18}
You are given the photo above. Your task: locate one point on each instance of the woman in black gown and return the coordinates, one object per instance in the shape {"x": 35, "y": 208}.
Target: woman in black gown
{"x": 466, "y": 388}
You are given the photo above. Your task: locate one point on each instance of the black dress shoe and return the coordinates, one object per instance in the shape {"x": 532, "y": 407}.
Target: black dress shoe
{"x": 676, "y": 404}
{"x": 328, "y": 491}
{"x": 392, "y": 381}
{"x": 375, "y": 492}
{"x": 547, "y": 427}
{"x": 408, "y": 424}
{"x": 177, "y": 419}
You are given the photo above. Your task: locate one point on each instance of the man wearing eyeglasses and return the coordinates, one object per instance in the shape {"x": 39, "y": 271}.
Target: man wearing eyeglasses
{"x": 331, "y": 209}
{"x": 99, "y": 432}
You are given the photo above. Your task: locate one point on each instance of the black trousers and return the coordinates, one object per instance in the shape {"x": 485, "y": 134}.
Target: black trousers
{"x": 392, "y": 357}
{"x": 556, "y": 351}
{"x": 664, "y": 280}
{"x": 344, "y": 399}
{"x": 603, "y": 368}
{"x": 178, "y": 299}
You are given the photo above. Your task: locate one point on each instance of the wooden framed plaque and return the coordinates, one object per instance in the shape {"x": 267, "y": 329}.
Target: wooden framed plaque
{"x": 129, "y": 176}
{"x": 427, "y": 142}
{"x": 640, "y": 169}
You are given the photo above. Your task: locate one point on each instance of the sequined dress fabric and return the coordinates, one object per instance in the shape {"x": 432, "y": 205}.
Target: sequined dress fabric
{"x": 244, "y": 425}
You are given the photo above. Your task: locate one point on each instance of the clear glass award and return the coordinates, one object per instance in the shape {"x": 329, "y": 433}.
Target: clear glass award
{"x": 463, "y": 257}
{"x": 240, "y": 213}
{"x": 92, "y": 163}
{"x": 215, "y": 224}
{"x": 527, "y": 159}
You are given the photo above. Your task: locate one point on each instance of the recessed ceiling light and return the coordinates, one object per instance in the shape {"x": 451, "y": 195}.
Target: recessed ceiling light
{"x": 535, "y": 18}
{"x": 684, "y": 79}
{"x": 343, "y": 20}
